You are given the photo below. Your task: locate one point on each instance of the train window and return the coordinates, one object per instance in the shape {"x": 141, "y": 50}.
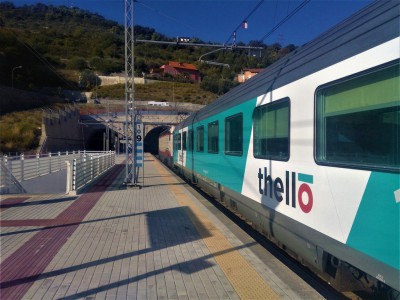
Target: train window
{"x": 200, "y": 139}
{"x": 184, "y": 140}
{"x": 190, "y": 140}
{"x": 358, "y": 121}
{"x": 177, "y": 141}
{"x": 234, "y": 135}
{"x": 271, "y": 130}
{"x": 213, "y": 137}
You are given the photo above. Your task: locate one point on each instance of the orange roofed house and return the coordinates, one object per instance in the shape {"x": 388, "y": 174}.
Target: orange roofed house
{"x": 247, "y": 74}
{"x": 178, "y": 69}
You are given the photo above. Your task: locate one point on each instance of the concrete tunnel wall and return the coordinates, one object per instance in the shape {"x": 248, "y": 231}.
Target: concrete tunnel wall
{"x": 151, "y": 139}
{"x": 94, "y": 139}
{"x": 74, "y": 136}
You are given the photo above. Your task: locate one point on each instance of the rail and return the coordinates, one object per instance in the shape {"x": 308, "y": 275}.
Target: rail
{"x": 85, "y": 170}
{"x": 8, "y": 183}
{"x": 25, "y": 167}
{"x": 88, "y": 165}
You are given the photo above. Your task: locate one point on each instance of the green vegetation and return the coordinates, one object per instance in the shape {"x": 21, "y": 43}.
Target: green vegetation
{"x": 20, "y": 131}
{"x": 160, "y": 91}
{"x": 48, "y": 39}
{"x": 62, "y": 48}
{"x": 13, "y": 100}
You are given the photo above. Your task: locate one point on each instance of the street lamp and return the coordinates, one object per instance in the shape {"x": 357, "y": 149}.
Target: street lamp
{"x": 96, "y": 76}
{"x": 12, "y": 75}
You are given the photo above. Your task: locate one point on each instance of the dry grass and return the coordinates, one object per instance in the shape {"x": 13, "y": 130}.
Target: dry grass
{"x": 161, "y": 91}
{"x": 20, "y": 131}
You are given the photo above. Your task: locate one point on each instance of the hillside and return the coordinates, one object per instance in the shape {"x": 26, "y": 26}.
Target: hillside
{"x": 62, "y": 48}
{"x": 160, "y": 91}
{"x": 47, "y": 39}
{"x": 53, "y": 40}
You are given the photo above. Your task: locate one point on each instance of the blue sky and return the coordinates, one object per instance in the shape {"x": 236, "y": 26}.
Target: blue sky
{"x": 215, "y": 20}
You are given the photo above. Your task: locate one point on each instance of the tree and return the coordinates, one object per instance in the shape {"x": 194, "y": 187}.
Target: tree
{"x": 77, "y": 39}
{"x": 88, "y": 80}
{"x": 7, "y": 5}
{"x": 210, "y": 83}
{"x": 77, "y": 63}
{"x": 257, "y": 44}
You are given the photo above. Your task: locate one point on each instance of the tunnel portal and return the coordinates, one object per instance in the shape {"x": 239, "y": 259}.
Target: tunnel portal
{"x": 94, "y": 139}
{"x": 151, "y": 139}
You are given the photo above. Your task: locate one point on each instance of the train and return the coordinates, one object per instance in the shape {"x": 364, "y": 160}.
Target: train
{"x": 307, "y": 151}
{"x": 165, "y": 146}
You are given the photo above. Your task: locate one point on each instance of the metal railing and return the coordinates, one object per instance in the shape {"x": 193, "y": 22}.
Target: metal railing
{"x": 88, "y": 166}
{"x": 8, "y": 183}
{"x": 85, "y": 170}
{"x": 25, "y": 167}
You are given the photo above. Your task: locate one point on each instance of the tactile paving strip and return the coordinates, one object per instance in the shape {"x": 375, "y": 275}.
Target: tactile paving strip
{"x": 243, "y": 277}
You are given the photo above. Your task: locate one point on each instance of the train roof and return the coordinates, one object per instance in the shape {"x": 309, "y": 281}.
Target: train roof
{"x": 371, "y": 26}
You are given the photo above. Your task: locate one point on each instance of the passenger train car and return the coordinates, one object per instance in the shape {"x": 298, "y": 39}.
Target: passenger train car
{"x": 308, "y": 151}
{"x": 165, "y": 144}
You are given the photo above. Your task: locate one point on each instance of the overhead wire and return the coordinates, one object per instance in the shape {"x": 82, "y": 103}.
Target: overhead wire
{"x": 164, "y": 14}
{"x": 246, "y": 18}
{"x": 276, "y": 11}
{"x": 191, "y": 27}
{"x": 292, "y": 13}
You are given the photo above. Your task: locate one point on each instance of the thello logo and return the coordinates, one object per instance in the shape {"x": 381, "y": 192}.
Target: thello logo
{"x": 276, "y": 188}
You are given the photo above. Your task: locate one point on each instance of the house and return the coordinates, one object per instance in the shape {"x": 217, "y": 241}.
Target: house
{"x": 247, "y": 74}
{"x": 182, "y": 70}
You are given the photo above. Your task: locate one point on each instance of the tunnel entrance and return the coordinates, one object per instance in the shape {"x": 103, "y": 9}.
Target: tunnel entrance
{"x": 151, "y": 139}
{"x": 95, "y": 141}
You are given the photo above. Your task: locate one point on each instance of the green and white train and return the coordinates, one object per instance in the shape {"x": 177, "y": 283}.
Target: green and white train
{"x": 308, "y": 151}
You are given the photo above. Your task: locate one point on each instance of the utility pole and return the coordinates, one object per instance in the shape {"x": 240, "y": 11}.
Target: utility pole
{"x": 130, "y": 172}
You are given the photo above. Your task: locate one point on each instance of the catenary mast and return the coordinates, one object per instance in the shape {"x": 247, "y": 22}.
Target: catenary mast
{"x": 130, "y": 177}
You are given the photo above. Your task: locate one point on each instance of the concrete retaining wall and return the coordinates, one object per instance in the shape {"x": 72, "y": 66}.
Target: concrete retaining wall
{"x": 62, "y": 131}
{"x": 110, "y": 80}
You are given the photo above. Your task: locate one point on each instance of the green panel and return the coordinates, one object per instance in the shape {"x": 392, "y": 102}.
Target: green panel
{"x": 376, "y": 228}
{"x": 377, "y": 90}
{"x": 273, "y": 121}
{"x": 305, "y": 178}
{"x": 213, "y": 165}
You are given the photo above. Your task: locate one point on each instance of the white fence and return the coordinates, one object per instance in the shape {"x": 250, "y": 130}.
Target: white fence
{"x": 86, "y": 169}
{"x": 9, "y": 185}
{"x": 82, "y": 167}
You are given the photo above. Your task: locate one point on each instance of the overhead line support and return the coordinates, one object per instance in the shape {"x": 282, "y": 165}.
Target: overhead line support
{"x": 199, "y": 45}
{"x": 130, "y": 174}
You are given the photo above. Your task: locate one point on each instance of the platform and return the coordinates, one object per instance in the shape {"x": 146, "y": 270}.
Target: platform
{"x": 158, "y": 242}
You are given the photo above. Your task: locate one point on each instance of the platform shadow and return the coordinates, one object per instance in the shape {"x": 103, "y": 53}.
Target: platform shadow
{"x": 39, "y": 202}
{"x": 167, "y": 229}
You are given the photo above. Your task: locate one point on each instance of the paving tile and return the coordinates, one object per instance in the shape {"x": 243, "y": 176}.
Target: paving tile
{"x": 132, "y": 244}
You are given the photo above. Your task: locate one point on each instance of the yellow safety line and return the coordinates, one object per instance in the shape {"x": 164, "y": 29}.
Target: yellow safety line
{"x": 243, "y": 277}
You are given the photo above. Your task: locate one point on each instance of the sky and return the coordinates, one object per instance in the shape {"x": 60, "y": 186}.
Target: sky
{"x": 216, "y": 20}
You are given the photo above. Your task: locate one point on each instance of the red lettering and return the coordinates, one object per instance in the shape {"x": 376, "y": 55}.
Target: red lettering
{"x": 305, "y": 207}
